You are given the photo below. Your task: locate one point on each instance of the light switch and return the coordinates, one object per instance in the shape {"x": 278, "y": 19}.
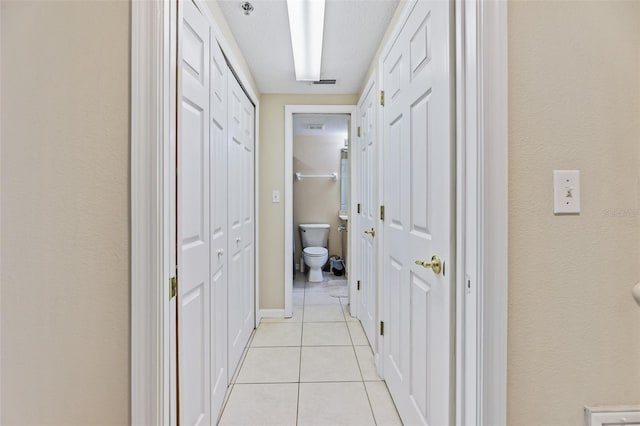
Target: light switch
{"x": 275, "y": 196}
{"x": 566, "y": 191}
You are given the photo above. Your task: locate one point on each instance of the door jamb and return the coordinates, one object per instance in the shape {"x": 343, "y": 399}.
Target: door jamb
{"x": 289, "y": 110}
{"x": 482, "y": 209}
{"x": 151, "y": 128}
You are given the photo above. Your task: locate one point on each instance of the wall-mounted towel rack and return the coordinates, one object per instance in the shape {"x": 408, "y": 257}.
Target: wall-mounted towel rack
{"x": 332, "y": 176}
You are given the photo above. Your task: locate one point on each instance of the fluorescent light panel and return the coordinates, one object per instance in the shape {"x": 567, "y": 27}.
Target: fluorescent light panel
{"x": 306, "y": 24}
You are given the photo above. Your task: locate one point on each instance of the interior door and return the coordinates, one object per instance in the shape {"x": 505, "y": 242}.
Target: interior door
{"x": 218, "y": 224}
{"x": 368, "y": 194}
{"x": 194, "y": 308}
{"x": 241, "y": 220}
{"x": 417, "y": 191}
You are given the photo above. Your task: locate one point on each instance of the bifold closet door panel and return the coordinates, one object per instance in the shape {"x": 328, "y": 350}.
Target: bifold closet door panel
{"x": 241, "y": 220}
{"x": 194, "y": 303}
{"x": 220, "y": 375}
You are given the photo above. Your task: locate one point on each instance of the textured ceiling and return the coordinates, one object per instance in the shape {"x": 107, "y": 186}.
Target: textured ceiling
{"x": 353, "y": 30}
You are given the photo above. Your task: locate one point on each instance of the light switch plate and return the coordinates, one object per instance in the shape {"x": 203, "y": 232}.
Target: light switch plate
{"x": 566, "y": 191}
{"x": 275, "y": 196}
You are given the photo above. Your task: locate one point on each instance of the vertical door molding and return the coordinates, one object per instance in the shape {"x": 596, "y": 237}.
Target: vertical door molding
{"x": 493, "y": 219}
{"x": 482, "y": 212}
{"x": 151, "y": 123}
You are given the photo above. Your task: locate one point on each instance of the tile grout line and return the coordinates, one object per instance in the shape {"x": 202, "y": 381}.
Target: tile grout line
{"x": 304, "y": 295}
{"x": 355, "y": 354}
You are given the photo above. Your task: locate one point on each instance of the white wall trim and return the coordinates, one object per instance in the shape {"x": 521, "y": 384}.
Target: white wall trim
{"x": 272, "y": 313}
{"x": 0, "y": 220}
{"x": 150, "y": 133}
{"x": 493, "y": 175}
{"x": 289, "y": 110}
{"x": 467, "y": 393}
{"x": 482, "y": 212}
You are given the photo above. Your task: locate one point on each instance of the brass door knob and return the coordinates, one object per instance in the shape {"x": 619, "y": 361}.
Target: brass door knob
{"x": 435, "y": 264}
{"x": 372, "y": 232}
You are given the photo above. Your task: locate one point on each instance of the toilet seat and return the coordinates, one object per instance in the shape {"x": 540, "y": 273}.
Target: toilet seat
{"x": 315, "y": 251}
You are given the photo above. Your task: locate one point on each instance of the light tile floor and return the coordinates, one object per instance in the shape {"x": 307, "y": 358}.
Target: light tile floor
{"x": 315, "y": 368}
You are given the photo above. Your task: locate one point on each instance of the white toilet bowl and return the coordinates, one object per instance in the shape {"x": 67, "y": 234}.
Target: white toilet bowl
{"x": 315, "y": 258}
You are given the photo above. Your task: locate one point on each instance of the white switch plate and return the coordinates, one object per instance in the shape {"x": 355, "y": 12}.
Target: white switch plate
{"x": 566, "y": 191}
{"x": 275, "y": 196}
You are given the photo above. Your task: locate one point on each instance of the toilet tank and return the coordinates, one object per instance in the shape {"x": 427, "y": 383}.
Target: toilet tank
{"x": 314, "y": 234}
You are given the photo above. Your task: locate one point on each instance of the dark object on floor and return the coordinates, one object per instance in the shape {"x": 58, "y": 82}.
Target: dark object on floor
{"x": 337, "y": 265}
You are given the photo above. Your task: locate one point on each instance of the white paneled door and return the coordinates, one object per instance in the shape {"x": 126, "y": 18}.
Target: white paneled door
{"x": 417, "y": 195}
{"x": 218, "y": 147}
{"x": 368, "y": 196}
{"x": 241, "y": 220}
{"x": 194, "y": 290}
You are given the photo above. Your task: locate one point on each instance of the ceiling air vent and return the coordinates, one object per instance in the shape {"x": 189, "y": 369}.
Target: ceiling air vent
{"x": 328, "y": 81}
{"x": 315, "y": 126}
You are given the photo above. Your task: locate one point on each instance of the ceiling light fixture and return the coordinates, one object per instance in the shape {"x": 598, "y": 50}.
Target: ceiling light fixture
{"x": 306, "y": 24}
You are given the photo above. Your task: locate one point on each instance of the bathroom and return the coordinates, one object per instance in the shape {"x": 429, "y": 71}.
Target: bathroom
{"x": 320, "y": 200}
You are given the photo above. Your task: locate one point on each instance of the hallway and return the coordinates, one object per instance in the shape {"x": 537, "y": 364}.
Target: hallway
{"x": 315, "y": 368}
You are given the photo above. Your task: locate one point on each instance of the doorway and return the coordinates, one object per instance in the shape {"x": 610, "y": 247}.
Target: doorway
{"x": 320, "y": 199}
{"x": 305, "y": 120}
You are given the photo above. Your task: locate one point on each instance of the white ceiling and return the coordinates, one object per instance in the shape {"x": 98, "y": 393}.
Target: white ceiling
{"x": 353, "y": 30}
{"x": 334, "y": 124}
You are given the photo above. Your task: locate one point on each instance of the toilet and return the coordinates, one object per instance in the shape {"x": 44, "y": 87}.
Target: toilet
{"x": 314, "y": 238}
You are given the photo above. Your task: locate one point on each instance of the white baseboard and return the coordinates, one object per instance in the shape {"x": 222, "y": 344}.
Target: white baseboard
{"x": 271, "y": 313}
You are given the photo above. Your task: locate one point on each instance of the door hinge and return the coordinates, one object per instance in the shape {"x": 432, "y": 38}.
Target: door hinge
{"x": 358, "y": 284}
{"x": 382, "y": 328}
{"x": 173, "y": 287}
{"x": 381, "y": 212}
{"x": 358, "y": 208}
{"x": 359, "y": 132}
{"x": 382, "y": 97}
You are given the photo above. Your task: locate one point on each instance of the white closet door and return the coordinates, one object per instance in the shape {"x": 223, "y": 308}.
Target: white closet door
{"x": 194, "y": 358}
{"x": 218, "y": 223}
{"x": 241, "y": 220}
{"x": 368, "y": 195}
{"x": 417, "y": 146}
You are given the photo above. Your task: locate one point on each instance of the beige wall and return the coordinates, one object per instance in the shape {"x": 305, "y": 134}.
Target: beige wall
{"x": 65, "y": 209}
{"x": 574, "y": 103}
{"x": 271, "y": 175}
{"x": 317, "y": 201}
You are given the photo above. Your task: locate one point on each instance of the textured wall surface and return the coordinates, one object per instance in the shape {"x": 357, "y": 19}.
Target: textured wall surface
{"x": 574, "y": 97}
{"x": 271, "y": 174}
{"x": 65, "y": 213}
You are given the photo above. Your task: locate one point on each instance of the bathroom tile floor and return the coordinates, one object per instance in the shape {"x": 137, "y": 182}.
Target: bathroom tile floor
{"x": 315, "y": 368}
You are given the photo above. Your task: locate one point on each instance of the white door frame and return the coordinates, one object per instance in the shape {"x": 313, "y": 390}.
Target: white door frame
{"x": 482, "y": 211}
{"x": 289, "y": 110}
{"x": 481, "y": 66}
